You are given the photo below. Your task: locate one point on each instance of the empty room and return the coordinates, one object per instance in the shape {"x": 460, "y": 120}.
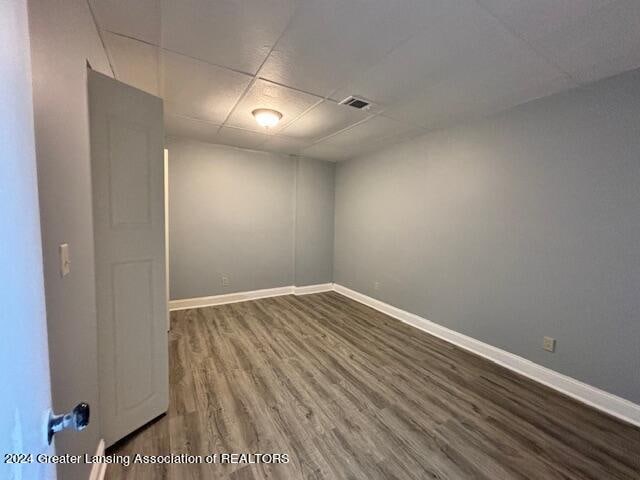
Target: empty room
{"x": 320, "y": 239}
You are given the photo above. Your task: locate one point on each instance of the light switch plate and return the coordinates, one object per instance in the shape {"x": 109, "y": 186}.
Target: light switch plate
{"x": 549, "y": 344}
{"x": 65, "y": 260}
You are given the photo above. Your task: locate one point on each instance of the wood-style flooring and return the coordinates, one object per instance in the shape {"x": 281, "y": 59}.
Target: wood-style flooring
{"x": 350, "y": 393}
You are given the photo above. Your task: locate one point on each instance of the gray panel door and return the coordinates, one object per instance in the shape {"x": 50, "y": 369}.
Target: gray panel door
{"x": 127, "y": 165}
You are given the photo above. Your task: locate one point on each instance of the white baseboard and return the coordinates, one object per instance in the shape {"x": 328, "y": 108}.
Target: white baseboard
{"x": 98, "y": 470}
{"x": 599, "y": 399}
{"x": 228, "y": 298}
{"x": 308, "y": 289}
{"x": 244, "y": 296}
{"x": 592, "y": 396}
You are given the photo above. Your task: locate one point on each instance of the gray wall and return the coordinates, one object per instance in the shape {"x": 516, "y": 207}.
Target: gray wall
{"x": 521, "y": 225}
{"x": 232, "y": 212}
{"x": 63, "y": 38}
{"x": 314, "y": 222}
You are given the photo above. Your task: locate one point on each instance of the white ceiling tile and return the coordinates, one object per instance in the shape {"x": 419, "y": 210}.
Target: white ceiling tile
{"x": 287, "y": 145}
{"x": 323, "y": 151}
{"x": 464, "y": 97}
{"x": 427, "y": 62}
{"x": 324, "y": 119}
{"x": 236, "y": 34}
{"x": 329, "y": 41}
{"x": 178, "y": 126}
{"x": 140, "y": 19}
{"x": 241, "y": 138}
{"x": 263, "y": 94}
{"x": 372, "y": 131}
{"x": 365, "y": 137}
{"x": 196, "y": 89}
{"x": 537, "y": 18}
{"x": 602, "y": 44}
{"x": 460, "y": 43}
{"x": 135, "y": 63}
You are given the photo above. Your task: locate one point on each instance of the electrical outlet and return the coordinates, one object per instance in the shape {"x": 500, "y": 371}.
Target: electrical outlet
{"x": 225, "y": 281}
{"x": 549, "y": 344}
{"x": 376, "y": 286}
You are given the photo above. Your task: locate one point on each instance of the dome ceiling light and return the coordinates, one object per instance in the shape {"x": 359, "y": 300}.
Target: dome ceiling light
{"x": 266, "y": 117}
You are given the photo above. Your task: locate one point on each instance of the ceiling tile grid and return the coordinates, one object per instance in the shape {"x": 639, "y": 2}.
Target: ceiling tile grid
{"x": 237, "y": 34}
{"x": 180, "y": 126}
{"x": 423, "y": 63}
{"x": 198, "y": 89}
{"x": 599, "y": 45}
{"x": 330, "y": 40}
{"x": 140, "y": 20}
{"x": 134, "y": 62}
{"x": 324, "y": 119}
{"x": 264, "y": 94}
{"x": 465, "y": 41}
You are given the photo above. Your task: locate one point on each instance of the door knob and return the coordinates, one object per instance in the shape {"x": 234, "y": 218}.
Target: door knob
{"x": 77, "y": 419}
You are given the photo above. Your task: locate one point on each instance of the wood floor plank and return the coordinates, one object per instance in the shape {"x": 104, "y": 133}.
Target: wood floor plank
{"x": 350, "y": 393}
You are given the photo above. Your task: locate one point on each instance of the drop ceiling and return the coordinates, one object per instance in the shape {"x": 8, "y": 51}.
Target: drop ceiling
{"x": 425, "y": 64}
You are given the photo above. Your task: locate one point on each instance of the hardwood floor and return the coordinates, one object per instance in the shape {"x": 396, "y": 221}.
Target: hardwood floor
{"x": 349, "y": 393}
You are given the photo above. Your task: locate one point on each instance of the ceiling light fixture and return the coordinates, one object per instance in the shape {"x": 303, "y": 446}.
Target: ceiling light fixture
{"x": 266, "y": 117}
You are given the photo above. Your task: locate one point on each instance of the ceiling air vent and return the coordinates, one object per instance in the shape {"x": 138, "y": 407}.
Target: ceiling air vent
{"x": 356, "y": 102}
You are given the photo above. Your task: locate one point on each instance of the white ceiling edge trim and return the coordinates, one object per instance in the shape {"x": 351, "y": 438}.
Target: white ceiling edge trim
{"x": 594, "y": 397}
{"x": 536, "y": 51}
{"x": 185, "y": 138}
{"x": 348, "y": 127}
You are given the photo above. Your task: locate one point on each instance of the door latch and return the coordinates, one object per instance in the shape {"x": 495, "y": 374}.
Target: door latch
{"x": 77, "y": 419}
